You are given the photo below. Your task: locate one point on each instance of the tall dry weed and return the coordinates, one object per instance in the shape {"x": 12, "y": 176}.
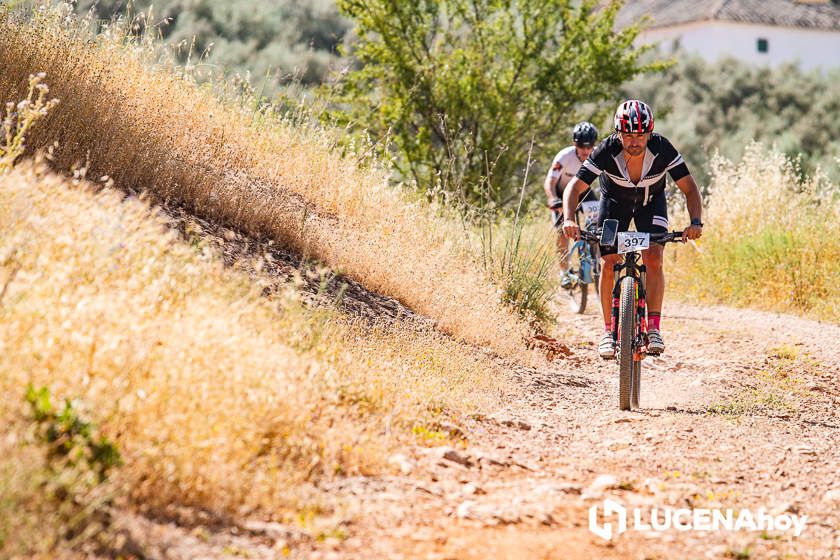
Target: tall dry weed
{"x": 213, "y": 396}
{"x": 18, "y": 119}
{"x": 150, "y": 129}
{"x": 771, "y": 241}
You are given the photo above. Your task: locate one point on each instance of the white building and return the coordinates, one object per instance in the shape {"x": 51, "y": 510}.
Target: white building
{"x": 755, "y": 31}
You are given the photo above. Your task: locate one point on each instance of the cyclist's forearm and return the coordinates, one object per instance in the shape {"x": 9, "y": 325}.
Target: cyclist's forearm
{"x": 695, "y": 205}
{"x": 548, "y": 186}
{"x": 692, "y": 197}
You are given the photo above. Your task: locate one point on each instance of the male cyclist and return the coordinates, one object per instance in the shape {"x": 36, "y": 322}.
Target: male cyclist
{"x": 566, "y": 164}
{"x": 632, "y": 164}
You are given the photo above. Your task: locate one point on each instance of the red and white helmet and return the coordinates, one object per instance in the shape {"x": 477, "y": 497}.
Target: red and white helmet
{"x": 634, "y": 116}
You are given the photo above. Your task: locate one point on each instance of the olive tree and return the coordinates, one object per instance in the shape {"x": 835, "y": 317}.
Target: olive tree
{"x": 459, "y": 91}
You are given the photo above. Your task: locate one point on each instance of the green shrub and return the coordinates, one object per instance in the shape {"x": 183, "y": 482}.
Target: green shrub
{"x": 519, "y": 256}
{"x": 73, "y": 443}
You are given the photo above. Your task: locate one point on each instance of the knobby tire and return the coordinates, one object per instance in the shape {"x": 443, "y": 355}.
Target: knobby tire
{"x": 626, "y": 329}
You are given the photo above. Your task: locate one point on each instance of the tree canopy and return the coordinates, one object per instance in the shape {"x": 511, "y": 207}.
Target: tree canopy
{"x": 460, "y": 89}
{"x": 286, "y": 40}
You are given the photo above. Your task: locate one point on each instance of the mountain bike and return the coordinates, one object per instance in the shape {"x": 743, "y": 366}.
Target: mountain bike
{"x": 629, "y": 306}
{"x": 584, "y": 260}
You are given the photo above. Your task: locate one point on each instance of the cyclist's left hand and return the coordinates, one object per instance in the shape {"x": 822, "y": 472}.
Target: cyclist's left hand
{"x": 693, "y": 232}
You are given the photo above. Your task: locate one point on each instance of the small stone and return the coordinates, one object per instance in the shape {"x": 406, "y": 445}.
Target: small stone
{"x": 464, "y": 510}
{"x": 270, "y": 529}
{"x": 427, "y": 490}
{"x": 482, "y": 457}
{"x": 571, "y": 489}
{"x": 456, "y": 457}
{"x": 779, "y": 509}
{"x": 507, "y": 517}
{"x": 544, "y": 489}
{"x": 832, "y": 495}
{"x": 452, "y": 429}
{"x": 515, "y": 424}
{"x": 402, "y": 462}
{"x": 601, "y": 483}
{"x": 472, "y": 488}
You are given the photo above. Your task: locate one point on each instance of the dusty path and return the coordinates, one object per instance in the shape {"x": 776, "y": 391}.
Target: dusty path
{"x": 741, "y": 412}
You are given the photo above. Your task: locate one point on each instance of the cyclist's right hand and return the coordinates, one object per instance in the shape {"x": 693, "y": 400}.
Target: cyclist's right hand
{"x": 555, "y": 203}
{"x": 571, "y": 229}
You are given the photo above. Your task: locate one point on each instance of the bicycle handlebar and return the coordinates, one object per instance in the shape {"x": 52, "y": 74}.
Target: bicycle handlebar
{"x": 669, "y": 237}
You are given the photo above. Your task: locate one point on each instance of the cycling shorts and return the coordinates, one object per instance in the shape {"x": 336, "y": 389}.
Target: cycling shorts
{"x": 650, "y": 218}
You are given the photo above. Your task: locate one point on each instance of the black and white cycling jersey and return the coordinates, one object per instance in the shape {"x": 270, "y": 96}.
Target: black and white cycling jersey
{"x": 607, "y": 163}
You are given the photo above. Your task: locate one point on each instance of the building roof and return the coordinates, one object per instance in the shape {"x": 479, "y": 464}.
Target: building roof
{"x": 786, "y": 13}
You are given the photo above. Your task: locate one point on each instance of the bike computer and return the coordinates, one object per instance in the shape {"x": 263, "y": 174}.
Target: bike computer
{"x": 609, "y": 231}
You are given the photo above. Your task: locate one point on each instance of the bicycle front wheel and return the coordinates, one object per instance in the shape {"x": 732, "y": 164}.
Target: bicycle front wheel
{"x": 626, "y": 331}
{"x": 578, "y": 292}
{"x": 636, "y": 384}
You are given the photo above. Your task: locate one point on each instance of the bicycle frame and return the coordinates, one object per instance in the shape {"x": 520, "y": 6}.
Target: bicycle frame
{"x": 631, "y": 267}
{"x": 588, "y": 264}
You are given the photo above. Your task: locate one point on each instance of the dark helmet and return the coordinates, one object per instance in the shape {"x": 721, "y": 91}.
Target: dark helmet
{"x": 634, "y": 116}
{"x": 585, "y": 134}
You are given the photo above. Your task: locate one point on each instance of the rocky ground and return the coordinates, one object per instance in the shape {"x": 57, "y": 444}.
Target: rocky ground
{"x": 740, "y": 412}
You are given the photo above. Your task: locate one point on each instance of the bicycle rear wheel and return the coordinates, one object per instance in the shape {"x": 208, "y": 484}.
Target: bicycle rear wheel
{"x": 626, "y": 331}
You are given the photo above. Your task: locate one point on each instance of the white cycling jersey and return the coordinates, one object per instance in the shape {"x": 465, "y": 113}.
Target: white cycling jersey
{"x": 564, "y": 166}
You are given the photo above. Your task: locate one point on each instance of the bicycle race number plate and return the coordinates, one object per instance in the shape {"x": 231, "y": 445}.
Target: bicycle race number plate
{"x": 629, "y": 241}
{"x": 590, "y": 211}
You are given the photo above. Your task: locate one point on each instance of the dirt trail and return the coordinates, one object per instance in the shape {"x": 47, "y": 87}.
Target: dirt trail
{"x": 741, "y": 412}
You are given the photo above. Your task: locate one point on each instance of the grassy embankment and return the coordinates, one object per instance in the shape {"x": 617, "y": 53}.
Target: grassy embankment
{"x": 771, "y": 242}
{"x": 214, "y": 397}
{"x": 149, "y": 130}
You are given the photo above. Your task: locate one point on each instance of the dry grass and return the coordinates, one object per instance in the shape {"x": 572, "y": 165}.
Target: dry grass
{"x": 771, "y": 242}
{"x": 521, "y": 256}
{"x": 150, "y": 130}
{"x": 214, "y": 397}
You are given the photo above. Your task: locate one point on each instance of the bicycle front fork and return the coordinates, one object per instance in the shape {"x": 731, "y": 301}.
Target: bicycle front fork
{"x": 641, "y": 305}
